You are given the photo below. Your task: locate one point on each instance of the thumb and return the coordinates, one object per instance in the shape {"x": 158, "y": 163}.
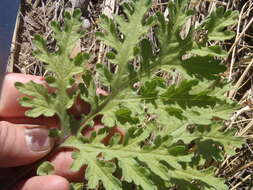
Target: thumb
{"x": 23, "y": 144}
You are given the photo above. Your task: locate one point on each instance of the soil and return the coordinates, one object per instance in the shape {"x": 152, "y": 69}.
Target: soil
{"x": 36, "y": 15}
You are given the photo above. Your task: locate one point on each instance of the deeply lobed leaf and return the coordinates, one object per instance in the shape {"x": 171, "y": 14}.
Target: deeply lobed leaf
{"x": 163, "y": 120}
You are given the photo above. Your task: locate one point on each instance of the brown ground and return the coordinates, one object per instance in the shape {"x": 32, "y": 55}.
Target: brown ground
{"x": 36, "y": 15}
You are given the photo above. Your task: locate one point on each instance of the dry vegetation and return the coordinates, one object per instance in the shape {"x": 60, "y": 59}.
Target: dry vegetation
{"x": 36, "y": 16}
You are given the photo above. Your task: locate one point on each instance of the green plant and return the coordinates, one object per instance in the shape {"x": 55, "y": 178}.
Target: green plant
{"x": 172, "y": 131}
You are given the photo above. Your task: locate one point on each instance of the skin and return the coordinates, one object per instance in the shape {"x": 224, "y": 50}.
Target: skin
{"x": 14, "y": 150}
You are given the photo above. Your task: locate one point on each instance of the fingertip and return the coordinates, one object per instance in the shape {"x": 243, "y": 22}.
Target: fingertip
{"x": 50, "y": 182}
{"x": 9, "y": 107}
{"x": 23, "y": 144}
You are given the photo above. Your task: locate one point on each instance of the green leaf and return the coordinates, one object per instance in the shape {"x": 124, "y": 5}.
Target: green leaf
{"x": 124, "y": 115}
{"x": 124, "y": 40}
{"x": 226, "y": 139}
{"x": 66, "y": 37}
{"x": 77, "y": 186}
{"x": 146, "y": 55}
{"x": 129, "y": 151}
{"x": 217, "y": 22}
{"x": 205, "y": 178}
{"x": 209, "y": 51}
{"x": 46, "y": 168}
{"x": 172, "y": 46}
{"x": 165, "y": 91}
{"x": 203, "y": 67}
{"x": 133, "y": 172}
{"x": 64, "y": 69}
{"x": 81, "y": 58}
{"x": 182, "y": 96}
{"x": 102, "y": 169}
{"x": 103, "y": 172}
{"x": 209, "y": 135}
{"x": 105, "y": 76}
{"x": 39, "y": 100}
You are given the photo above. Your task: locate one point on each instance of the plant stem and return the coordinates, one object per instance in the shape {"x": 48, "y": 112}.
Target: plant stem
{"x": 96, "y": 112}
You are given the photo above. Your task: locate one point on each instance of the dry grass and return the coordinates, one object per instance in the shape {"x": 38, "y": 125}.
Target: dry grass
{"x": 37, "y": 14}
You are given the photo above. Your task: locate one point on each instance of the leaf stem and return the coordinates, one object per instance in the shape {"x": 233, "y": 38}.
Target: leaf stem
{"x": 96, "y": 112}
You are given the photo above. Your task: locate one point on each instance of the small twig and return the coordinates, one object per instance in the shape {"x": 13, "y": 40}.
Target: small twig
{"x": 234, "y": 49}
{"x": 248, "y": 126}
{"x": 238, "y": 113}
{"x": 244, "y": 179}
{"x": 239, "y": 82}
{"x": 239, "y": 37}
{"x": 36, "y": 3}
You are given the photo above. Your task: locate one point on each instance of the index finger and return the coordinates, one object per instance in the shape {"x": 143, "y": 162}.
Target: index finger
{"x": 9, "y": 106}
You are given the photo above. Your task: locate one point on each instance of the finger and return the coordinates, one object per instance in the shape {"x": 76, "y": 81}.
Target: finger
{"x": 63, "y": 160}
{"x": 9, "y": 106}
{"x": 23, "y": 144}
{"x": 80, "y": 107}
{"x": 98, "y": 125}
{"x": 111, "y": 133}
{"x": 62, "y": 163}
{"x": 50, "y": 122}
{"x": 50, "y": 182}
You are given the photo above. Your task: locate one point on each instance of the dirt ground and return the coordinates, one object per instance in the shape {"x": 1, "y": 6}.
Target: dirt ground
{"x": 36, "y": 15}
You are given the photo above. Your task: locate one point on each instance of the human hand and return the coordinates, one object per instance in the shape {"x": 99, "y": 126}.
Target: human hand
{"x": 24, "y": 140}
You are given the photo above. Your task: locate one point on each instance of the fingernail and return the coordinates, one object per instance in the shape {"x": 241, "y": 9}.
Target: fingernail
{"x": 37, "y": 139}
